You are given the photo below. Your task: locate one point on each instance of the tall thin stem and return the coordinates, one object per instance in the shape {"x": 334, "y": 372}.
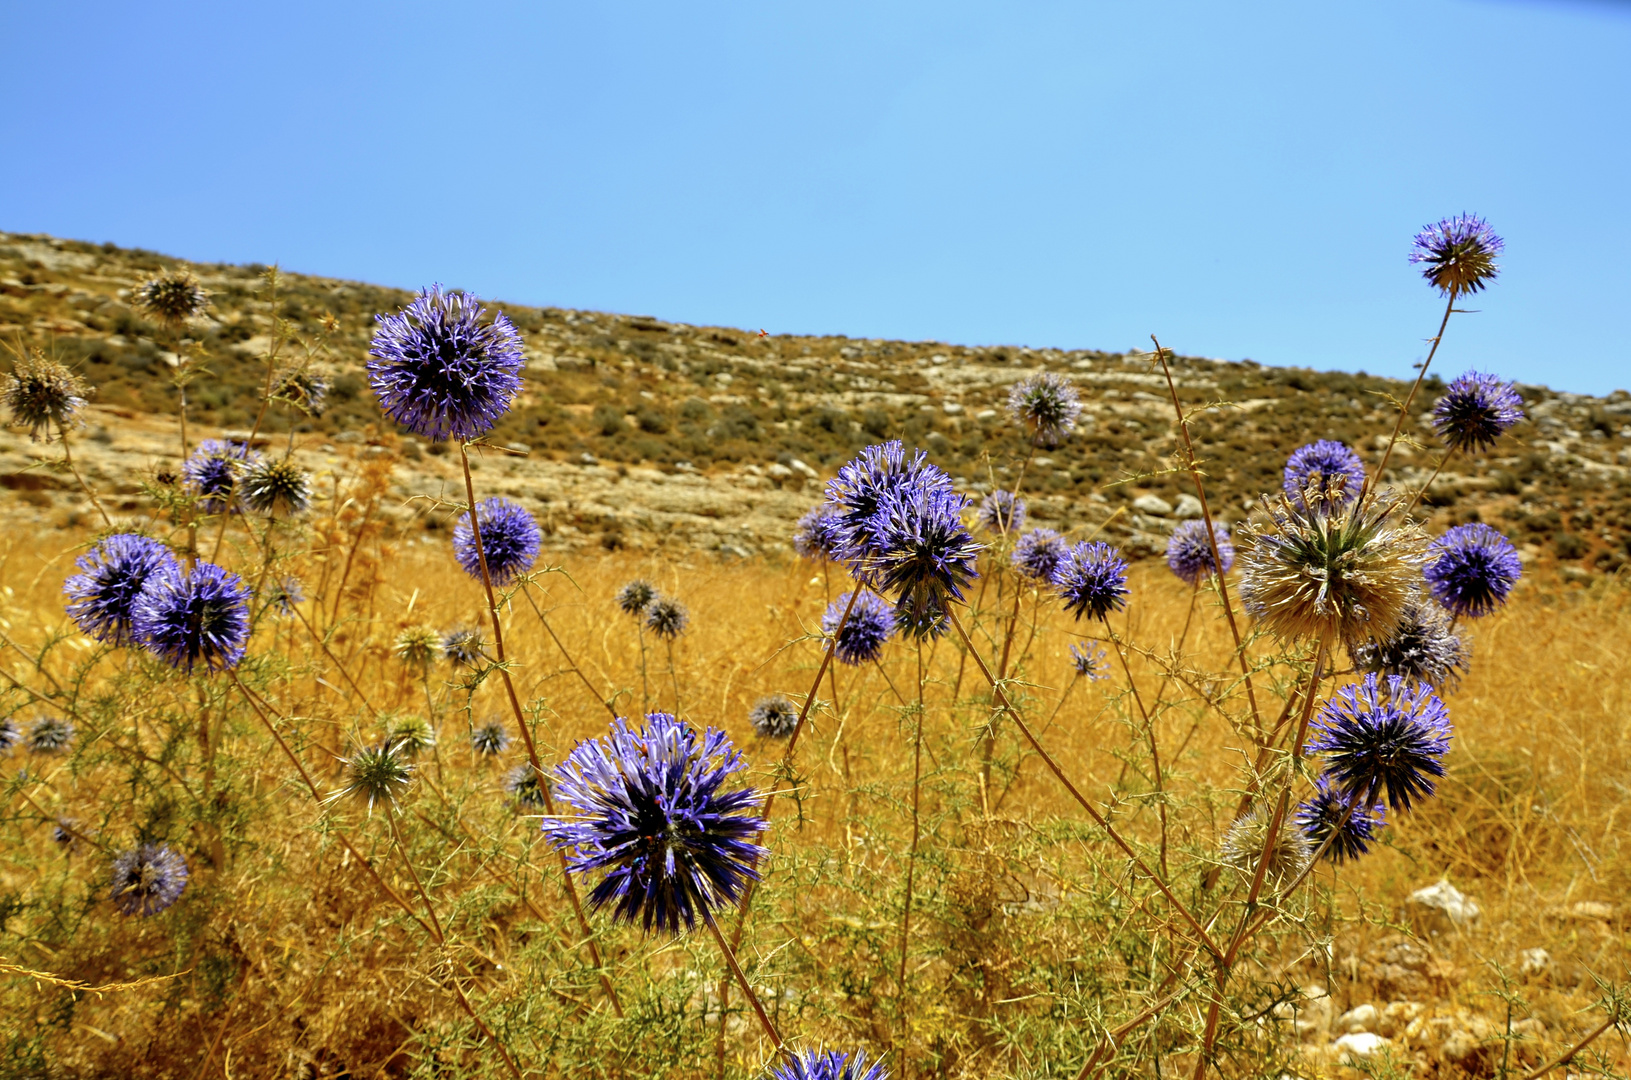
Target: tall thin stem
{"x": 1404, "y": 408}
{"x": 742, "y": 980}
{"x": 1443, "y": 460}
{"x": 68, "y": 459}
{"x": 911, "y": 864}
{"x": 570, "y": 662}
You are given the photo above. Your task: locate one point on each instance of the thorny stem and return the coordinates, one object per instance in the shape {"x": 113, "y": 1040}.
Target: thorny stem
{"x": 645, "y": 685}
{"x": 323, "y": 644}
{"x": 570, "y": 661}
{"x": 1149, "y": 731}
{"x": 1568, "y": 1055}
{"x": 68, "y": 459}
{"x": 911, "y": 861}
{"x": 413, "y": 876}
{"x": 742, "y": 981}
{"x": 1404, "y": 408}
{"x": 1443, "y": 460}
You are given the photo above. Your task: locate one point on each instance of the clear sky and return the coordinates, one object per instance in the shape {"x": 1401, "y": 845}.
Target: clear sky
{"x": 1242, "y": 179}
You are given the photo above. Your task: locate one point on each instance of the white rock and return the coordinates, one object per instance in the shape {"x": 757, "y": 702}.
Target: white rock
{"x": 1188, "y": 507}
{"x": 779, "y": 471}
{"x": 803, "y": 469}
{"x": 952, "y": 408}
{"x": 1359, "y": 1045}
{"x": 1444, "y": 901}
{"x": 986, "y": 414}
{"x": 1534, "y": 961}
{"x": 1359, "y": 1018}
{"x": 1152, "y": 504}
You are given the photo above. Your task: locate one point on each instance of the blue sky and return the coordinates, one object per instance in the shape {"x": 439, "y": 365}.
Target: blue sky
{"x": 1243, "y": 180}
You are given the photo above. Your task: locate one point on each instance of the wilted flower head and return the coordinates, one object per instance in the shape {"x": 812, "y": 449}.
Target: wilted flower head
{"x": 411, "y": 735}
{"x": 1347, "y": 572}
{"x": 284, "y": 593}
{"x": 50, "y": 735}
{"x": 1457, "y": 255}
{"x": 774, "y": 717}
{"x": 667, "y": 618}
{"x": 1383, "y": 741}
{"x": 1092, "y": 580}
{"x": 1471, "y": 569}
{"x": 276, "y": 487}
{"x": 213, "y": 470}
{"x": 1001, "y": 512}
{"x": 418, "y": 646}
{"x": 1423, "y": 649}
{"x": 439, "y": 371}
{"x": 10, "y": 735}
{"x": 1476, "y": 409}
{"x": 653, "y": 814}
{"x": 1047, "y": 406}
{"x": 1038, "y": 554}
{"x": 922, "y": 553}
{"x": 147, "y": 879}
{"x": 1324, "y": 473}
{"x": 522, "y": 785}
{"x": 40, "y": 393}
{"x": 102, "y": 596}
{"x": 489, "y": 739}
{"x": 380, "y": 773}
{"x": 304, "y": 387}
{"x": 184, "y": 617}
{"x": 1327, "y": 809}
{"x": 463, "y": 645}
{"x": 816, "y": 536}
{"x": 1088, "y": 659}
{"x": 171, "y": 298}
{"x": 862, "y": 638}
{"x": 636, "y": 596}
{"x": 1244, "y": 843}
{"x": 1189, "y": 551}
{"x": 829, "y": 1065}
{"x": 509, "y": 538}
{"x": 855, "y": 493}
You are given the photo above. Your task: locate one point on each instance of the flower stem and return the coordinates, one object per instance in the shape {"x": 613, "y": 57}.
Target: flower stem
{"x": 911, "y": 863}
{"x": 1443, "y": 460}
{"x": 1404, "y": 409}
{"x": 742, "y": 981}
{"x": 68, "y": 459}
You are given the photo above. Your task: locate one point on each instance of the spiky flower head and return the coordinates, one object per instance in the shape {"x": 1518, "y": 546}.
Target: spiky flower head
{"x": 1345, "y": 572}
{"x": 817, "y": 534}
{"x": 922, "y": 554}
{"x": 774, "y": 717}
{"x": 652, "y": 812}
{"x": 1189, "y": 551}
{"x": 667, "y": 618}
{"x": 284, "y": 593}
{"x": 1038, "y": 554}
{"x": 147, "y": 879}
{"x": 1327, "y": 810}
{"x": 65, "y": 833}
{"x": 1422, "y": 649}
{"x": 522, "y": 786}
{"x": 463, "y": 645}
{"x": 41, "y": 393}
{"x": 170, "y": 299}
{"x": 381, "y": 774}
{"x": 635, "y": 597}
{"x": 418, "y": 647}
{"x": 855, "y": 494}
{"x": 10, "y": 735}
{"x": 1475, "y": 411}
{"x": 1322, "y": 474}
{"x": 1457, "y": 254}
{"x": 1383, "y": 740}
{"x": 490, "y": 739}
{"x": 412, "y": 735}
{"x": 1001, "y": 512}
{"x": 213, "y": 471}
{"x": 102, "y": 596}
{"x": 829, "y": 1065}
{"x": 184, "y": 617}
{"x": 509, "y": 538}
{"x": 862, "y": 636}
{"x": 304, "y": 387}
{"x": 1088, "y": 660}
{"x": 1471, "y": 569}
{"x": 1092, "y": 580}
{"x": 928, "y": 622}
{"x": 1244, "y": 844}
{"x": 1047, "y": 406}
{"x": 275, "y": 487}
{"x": 50, "y": 735}
{"x": 440, "y": 372}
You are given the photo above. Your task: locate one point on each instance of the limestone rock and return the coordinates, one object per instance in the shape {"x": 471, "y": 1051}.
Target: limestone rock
{"x": 1359, "y": 1045}
{"x": 1534, "y": 962}
{"x": 1359, "y": 1018}
{"x": 1442, "y": 907}
{"x": 1188, "y": 506}
{"x": 1152, "y": 504}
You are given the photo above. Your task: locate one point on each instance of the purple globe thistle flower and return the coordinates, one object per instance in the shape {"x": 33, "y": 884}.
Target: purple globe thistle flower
{"x": 635, "y": 597}
{"x": 1047, "y": 406}
{"x": 490, "y": 739}
{"x": 523, "y": 787}
{"x": 1476, "y": 410}
{"x": 1422, "y": 649}
{"x": 862, "y": 638}
{"x": 1001, "y": 512}
{"x": 1088, "y": 660}
{"x": 212, "y": 470}
{"x": 463, "y": 645}
{"x": 653, "y": 814}
{"x": 1092, "y": 580}
{"x": 1471, "y": 569}
{"x": 854, "y": 494}
{"x": 10, "y": 735}
{"x": 147, "y": 879}
{"x": 283, "y": 594}
{"x": 40, "y": 393}
{"x": 102, "y": 596}
{"x": 1457, "y": 255}
{"x": 817, "y": 535}
{"x": 774, "y": 717}
{"x": 185, "y": 617}
{"x": 439, "y": 372}
{"x": 1383, "y": 740}
{"x": 275, "y": 487}
{"x": 1189, "y": 551}
{"x": 922, "y": 553}
{"x": 509, "y": 538}
{"x": 50, "y": 735}
{"x": 1327, "y": 809}
{"x": 829, "y": 1065}
{"x": 1324, "y": 473}
{"x": 1038, "y": 554}
{"x": 667, "y": 618}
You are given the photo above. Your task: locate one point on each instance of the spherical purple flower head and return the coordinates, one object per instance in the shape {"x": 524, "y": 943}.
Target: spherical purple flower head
{"x": 652, "y": 813}
{"x": 1327, "y": 809}
{"x": 184, "y": 618}
{"x": 10, "y": 735}
{"x": 1324, "y": 473}
{"x": 1088, "y": 659}
{"x": 774, "y": 717}
{"x": 148, "y": 879}
{"x": 1476, "y": 410}
{"x": 817, "y": 535}
{"x": 1383, "y": 740}
{"x": 523, "y": 787}
{"x": 869, "y": 625}
{"x": 1047, "y": 406}
{"x": 635, "y": 597}
{"x": 1038, "y": 554}
{"x": 102, "y": 595}
{"x": 1422, "y": 649}
{"x": 439, "y": 372}
{"x": 1092, "y": 580}
{"x": 829, "y": 1065}
{"x": 854, "y": 494}
{"x": 50, "y": 735}
{"x": 212, "y": 471}
{"x": 1457, "y": 255}
{"x": 490, "y": 739}
{"x": 463, "y": 646}
{"x": 1471, "y": 569}
{"x": 922, "y": 554}
{"x": 509, "y": 538}
{"x": 667, "y": 618}
{"x": 1001, "y": 512}
{"x": 1189, "y": 551}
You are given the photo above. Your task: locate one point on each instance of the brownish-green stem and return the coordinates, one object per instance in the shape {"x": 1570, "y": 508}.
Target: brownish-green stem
{"x": 1149, "y": 732}
{"x": 1568, "y": 1055}
{"x": 335, "y": 660}
{"x": 68, "y": 459}
{"x": 1443, "y": 460}
{"x": 911, "y": 865}
{"x": 570, "y": 661}
{"x": 747, "y": 989}
{"x": 1404, "y": 408}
